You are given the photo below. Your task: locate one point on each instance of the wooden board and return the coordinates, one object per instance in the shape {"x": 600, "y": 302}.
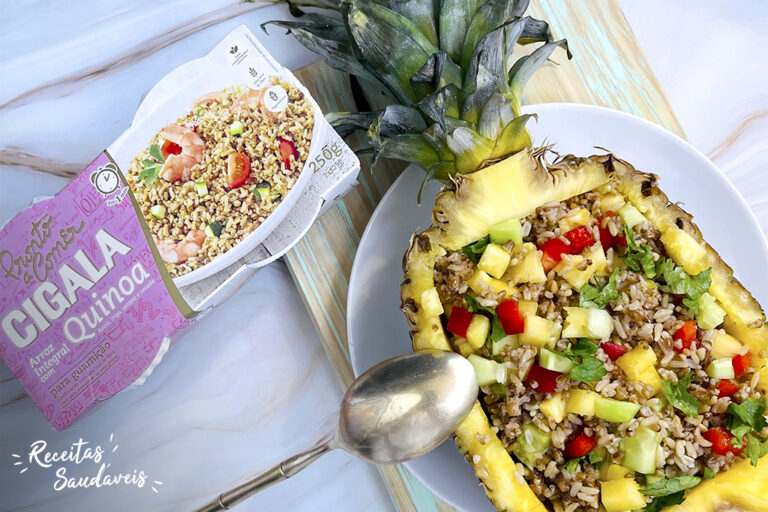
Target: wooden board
{"x": 608, "y": 69}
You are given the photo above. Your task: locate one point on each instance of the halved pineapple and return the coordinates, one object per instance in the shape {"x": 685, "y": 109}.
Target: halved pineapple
{"x": 514, "y": 188}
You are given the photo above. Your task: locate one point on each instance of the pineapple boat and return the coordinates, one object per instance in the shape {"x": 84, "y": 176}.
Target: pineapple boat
{"x": 622, "y": 365}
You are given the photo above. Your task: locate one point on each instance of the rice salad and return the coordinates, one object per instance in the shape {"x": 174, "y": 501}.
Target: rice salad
{"x": 207, "y": 181}
{"x": 603, "y": 366}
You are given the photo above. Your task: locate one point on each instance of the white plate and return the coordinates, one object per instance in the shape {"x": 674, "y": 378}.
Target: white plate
{"x": 377, "y": 329}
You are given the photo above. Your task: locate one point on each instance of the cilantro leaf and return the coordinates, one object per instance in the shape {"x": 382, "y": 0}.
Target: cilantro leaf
{"x": 156, "y": 153}
{"x": 572, "y": 465}
{"x": 592, "y": 297}
{"x": 751, "y": 412}
{"x": 473, "y": 306}
{"x": 583, "y": 347}
{"x": 708, "y": 474}
{"x": 497, "y": 331}
{"x": 669, "y": 486}
{"x": 590, "y": 369}
{"x": 639, "y": 257}
{"x": 149, "y": 174}
{"x": 677, "y": 395}
{"x": 756, "y": 448}
{"x": 680, "y": 283}
{"x": 663, "y": 502}
{"x": 596, "y": 459}
{"x": 475, "y": 250}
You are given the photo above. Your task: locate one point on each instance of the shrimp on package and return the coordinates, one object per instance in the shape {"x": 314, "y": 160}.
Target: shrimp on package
{"x": 226, "y": 165}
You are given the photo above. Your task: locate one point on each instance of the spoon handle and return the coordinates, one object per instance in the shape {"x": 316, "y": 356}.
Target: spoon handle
{"x": 282, "y": 471}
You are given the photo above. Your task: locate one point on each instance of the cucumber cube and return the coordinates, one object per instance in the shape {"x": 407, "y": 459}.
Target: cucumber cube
{"x": 157, "y": 211}
{"x": 640, "y": 451}
{"x": 599, "y": 324}
{"x": 615, "y": 411}
{"x": 510, "y": 340}
{"x": 530, "y": 444}
{"x": 494, "y": 260}
{"x": 553, "y": 361}
{"x": 488, "y": 372}
{"x": 587, "y": 323}
{"x": 631, "y": 215}
{"x": 721, "y": 369}
{"x": 507, "y": 230}
{"x": 201, "y": 188}
{"x": 711, "y": 314}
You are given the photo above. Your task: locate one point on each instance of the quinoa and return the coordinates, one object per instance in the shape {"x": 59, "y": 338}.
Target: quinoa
{"x": 238, "y": 211}
{"x": 645, "y": 314}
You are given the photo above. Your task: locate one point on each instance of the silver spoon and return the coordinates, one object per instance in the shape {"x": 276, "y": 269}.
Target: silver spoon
{"x": 398, "y": 410}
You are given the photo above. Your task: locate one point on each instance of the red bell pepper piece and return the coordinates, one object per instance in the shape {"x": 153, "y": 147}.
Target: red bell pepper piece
{"x": 580, "y": 446}
{"x": 170, "y": 148}
{"x": 580, "y": 239}
{"x": 614, "y": 350}
{"x": 686, "y": 334}
{"x": 726, "y": 387}
{"x": 510, "y": 317}
{"x": 459, "y": 321}
{"x": 545, "y": 380}
{"x": 741, "y": 363}
{"x": 287, "y": 149}
{"x": 606, "y": 238}
{"x": 721, "y": 441}
{"x": 552, "y": 253}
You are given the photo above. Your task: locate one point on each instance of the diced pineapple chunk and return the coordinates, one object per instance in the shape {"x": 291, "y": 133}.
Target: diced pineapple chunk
{"x": 725, "y": 345}
{"x": 430, "y": 302}
{"x": 596, "y": 255}
{"x": 685, "y": 250}
{"x": 540, "y": 332}
{"x": 483, "y": 284}
{"x": 528, "y": 268}
{"x": 494, "y": 260}
{"x": 568, "y": 269}
{"x": 636, "y": 360}
{"x": 478, "y": 330}
{"x": 651, "y": 377}
{"x": 587, "y": 323}
{"x": 527, "y": 307}
{"x": 611, "y": 202}
{"x": 615, "y": 472}
{"x": 463, "y": 347}
{"x": 581, "y": 401}
{"x": 554, "y": 407}
{"x": 580, "y": 217}
{"x": 620, "y": 495}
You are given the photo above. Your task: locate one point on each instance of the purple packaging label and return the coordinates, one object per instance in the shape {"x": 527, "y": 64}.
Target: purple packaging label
{"x": 83, "y": 305}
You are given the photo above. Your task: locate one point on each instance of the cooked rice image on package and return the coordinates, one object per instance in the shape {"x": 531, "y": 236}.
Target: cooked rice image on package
{"x": 208, "y": 180}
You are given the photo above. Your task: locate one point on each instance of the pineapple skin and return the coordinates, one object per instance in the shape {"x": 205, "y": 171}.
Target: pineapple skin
{"x": 514, "y": 187}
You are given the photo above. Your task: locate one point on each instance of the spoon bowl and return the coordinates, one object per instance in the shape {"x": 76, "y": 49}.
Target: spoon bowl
{"x": 398, "y": 410}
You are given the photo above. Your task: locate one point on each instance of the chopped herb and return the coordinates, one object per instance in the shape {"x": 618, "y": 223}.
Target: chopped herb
{"x": 583, "y": 347}
{"x": 596, "y": 459}
{"x": 156, "y": 153}
{"x": 572, "y": 465}
{"x": 677, "y": 395}
{"x": 473, "y": 251}
{"x": 639, "y": 257}
{"x": 592, "y": 297}
{"x": 708, "y": 474}
{"x": 151, "y": 169}
{"x": 497, "y": 331}
{"x": 473, "y": 306}
{"x": 663, "y": 502}
{"x": 590, "y": 369}
{"x": 668, "y": 486}
{"x": 756, "y": 448}
{"x": 149, "y": 174}
{"x": 680, "y": 283}
{"x": 745, "y": 418}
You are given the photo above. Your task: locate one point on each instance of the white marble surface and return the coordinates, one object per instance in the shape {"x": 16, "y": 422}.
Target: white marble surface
{"x": 251, "y": 384}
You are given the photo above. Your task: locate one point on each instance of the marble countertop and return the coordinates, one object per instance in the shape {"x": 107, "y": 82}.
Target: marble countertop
{"x": 242, "y": 391}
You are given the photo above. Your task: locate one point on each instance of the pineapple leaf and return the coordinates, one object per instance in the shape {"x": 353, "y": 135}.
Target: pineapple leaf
{"x": 496, "y": 114}
{"x": 421, "y": 13}
{"x": 471, "y": 149}
{"x": 441, "y": 103}
{"x": 393, "y": 120}
{"x": 441, "y": 171}
{"x": 488, "y": 17}
{"x": 389, "y": 44}
{"x": 437, "y": 72}
{"x": 455, "y": 16}
{"x": 526, "y": 66}
{"x": 413, "y": 148}
{"x": 484, "y": 85}
{"x": 514, "y": 137}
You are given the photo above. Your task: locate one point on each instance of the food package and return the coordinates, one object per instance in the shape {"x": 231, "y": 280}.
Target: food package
{"x": 226, "y": 165}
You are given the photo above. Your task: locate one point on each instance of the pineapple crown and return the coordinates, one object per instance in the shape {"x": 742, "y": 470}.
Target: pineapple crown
{"x": 449, "y": 67}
